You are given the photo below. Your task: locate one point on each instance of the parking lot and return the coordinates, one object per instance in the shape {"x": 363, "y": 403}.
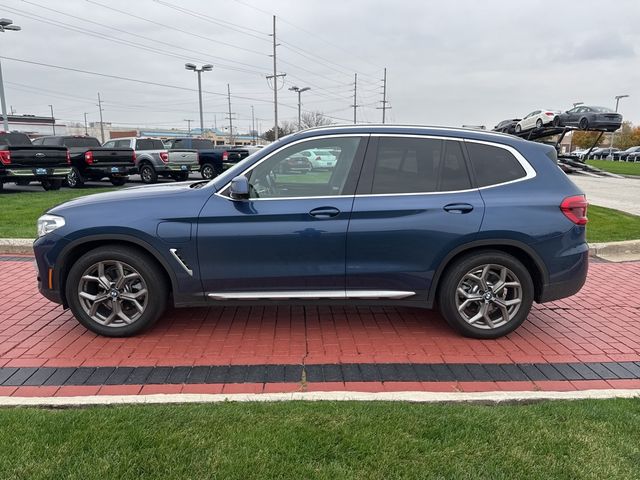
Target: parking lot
{"x": 591, "y": 340}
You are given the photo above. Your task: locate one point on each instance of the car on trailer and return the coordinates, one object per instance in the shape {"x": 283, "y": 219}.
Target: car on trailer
{"x": 536, "y": 119}
{"x": 589, "y": 117}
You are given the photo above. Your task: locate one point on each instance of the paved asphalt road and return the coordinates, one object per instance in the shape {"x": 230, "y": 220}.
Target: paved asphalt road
{"x": 619, "y": 193}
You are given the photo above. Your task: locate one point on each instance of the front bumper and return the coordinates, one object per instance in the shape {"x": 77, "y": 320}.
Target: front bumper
{"x": 46, "y": 250}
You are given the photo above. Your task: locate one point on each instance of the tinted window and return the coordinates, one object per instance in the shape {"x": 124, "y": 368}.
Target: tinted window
{"x": 109, "y": 144}
{"x": 199, "y": 143}
{"x": 149, "y": 144}
{"x": 493, "y": 165}
{"x": 80, "y": 142}
{"x": 453, "y": 171}
{"x": 14, "y": 138}
{"x": 51, "y": 141}
{"x": 123, "y": 144}
{"x": 288, "y": 173}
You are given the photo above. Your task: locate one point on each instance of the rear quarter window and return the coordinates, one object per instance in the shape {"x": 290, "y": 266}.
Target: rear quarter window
{"x": 493, "y": 165}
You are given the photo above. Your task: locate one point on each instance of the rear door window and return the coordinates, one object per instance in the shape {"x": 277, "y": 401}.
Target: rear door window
{"x": 493, "y": 165}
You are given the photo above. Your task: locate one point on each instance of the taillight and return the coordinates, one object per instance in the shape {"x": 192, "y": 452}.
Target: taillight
{"x": 575, "y": 209}
{"x": 164, "y": 156}
{"x": 225, "y": 156}
{"x": 68, "y": 157}
{"x": 5, "y": 157}
{"x": 88, "y": 157}
{"x": 550, "y": 114}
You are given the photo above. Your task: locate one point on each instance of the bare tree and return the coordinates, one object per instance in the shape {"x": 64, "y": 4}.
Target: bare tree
{"x": 314, "y": 119}
{"x": 284, "y": 128}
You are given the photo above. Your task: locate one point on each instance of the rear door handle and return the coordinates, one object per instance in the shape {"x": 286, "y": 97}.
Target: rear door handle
{"x": 324, "y": 212}
{"x": 458, "y": 208}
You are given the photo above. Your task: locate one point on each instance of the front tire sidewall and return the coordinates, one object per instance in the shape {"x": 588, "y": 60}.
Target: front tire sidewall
{"x": 140, "y": 261}
{"x": 453, "y": 275}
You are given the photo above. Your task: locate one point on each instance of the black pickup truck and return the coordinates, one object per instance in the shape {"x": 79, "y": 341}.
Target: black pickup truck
{"x": 91, "y": 161}
{"x": 21, "y": 162}
{"x": 213, "y": 159}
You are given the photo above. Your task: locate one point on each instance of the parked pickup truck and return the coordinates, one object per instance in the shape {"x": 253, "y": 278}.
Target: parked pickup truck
{"x": 213, "y": 158}
{"x": 153, "y": 159}
{"x": 90, "y": 161}
{"x": 21, "y": 162}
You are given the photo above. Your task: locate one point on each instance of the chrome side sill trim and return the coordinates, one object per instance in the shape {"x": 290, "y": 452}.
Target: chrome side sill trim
{"x": 175, "y": 255}
{"x": 312, "y": 295}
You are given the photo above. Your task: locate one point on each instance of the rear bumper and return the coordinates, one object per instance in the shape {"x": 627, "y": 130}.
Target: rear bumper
{"x": 178, "y": 167}
{"x": 108, "y": 171}
{"x": 570, "y": 282}
{"x": 13, "y": 174}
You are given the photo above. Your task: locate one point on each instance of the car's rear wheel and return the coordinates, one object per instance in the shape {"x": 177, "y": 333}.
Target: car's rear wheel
{"x": 208, "y": 171}
{"x": 539, "y": 123}
{"x": 75, "y": 179}
{"x": 486, "y": 294}
{"x": 116, "y": 291}
{"x": 148, "y": 174}
{"x": 584, "y": 124}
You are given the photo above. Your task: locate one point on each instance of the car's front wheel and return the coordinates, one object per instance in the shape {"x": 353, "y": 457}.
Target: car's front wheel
{"x": 116, "y": 291}
{"x": 486, "y": 294}
{"x": 518, "y": 129}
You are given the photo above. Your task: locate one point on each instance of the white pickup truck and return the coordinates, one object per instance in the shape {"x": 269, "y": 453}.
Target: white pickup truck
{"x": 153, "y": 159}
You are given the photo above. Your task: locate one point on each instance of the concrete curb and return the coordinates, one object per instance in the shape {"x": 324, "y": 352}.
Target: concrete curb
{"x": 626, "y": 250}
{"x": 407, "y": 396}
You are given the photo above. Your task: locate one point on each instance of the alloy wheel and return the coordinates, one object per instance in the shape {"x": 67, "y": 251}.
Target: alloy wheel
{"x": 488, "y": 296}
{"x": 113, "y": 293}
{"x": 146, "y": 174}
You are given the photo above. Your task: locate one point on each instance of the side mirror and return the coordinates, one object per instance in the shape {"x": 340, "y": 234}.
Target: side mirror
{"x": 239, "y": 189}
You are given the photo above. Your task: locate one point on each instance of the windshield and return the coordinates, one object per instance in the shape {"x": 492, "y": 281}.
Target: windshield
{"x": 200, "y": 143}
{"x": 81, "y": 142}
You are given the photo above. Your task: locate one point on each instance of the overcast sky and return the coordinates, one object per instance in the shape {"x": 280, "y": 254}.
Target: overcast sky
{"x": 448, "y": 62}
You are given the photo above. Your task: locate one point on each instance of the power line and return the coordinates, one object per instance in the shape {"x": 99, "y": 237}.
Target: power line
{"x": 129, "y": 43}
{"x": 173, "y": 27}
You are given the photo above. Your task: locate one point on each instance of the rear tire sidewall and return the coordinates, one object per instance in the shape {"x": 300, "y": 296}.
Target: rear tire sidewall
{"x": 455, "y": 272}
{"x": 148, "y": 174}
{"x": 584, "y": 124}
{"x": 207, "y": 171}
{"x": 539, "y": 123}
{"x": 140, "y": 261}
{"x": 74, "y": 178}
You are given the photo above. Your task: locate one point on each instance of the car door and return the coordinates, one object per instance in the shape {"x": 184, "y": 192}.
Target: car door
{"x": 414, "y": 204}
{"x": 288, "y": 239}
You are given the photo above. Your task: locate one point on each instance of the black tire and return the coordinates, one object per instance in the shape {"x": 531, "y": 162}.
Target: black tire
{"x": 208, "y": 171}
{"x": 181, "y": 176}
{"x": 517, "y": 129}
{"x": 118, "y": 181}
{"x": 52, "y": 184}
{"x": 454, "y": 274}
{"x": 584, "y": 124}
{"x": 150, "y": 273}
{"x": 75, "y": 178}
{"x": 23, "y": 183}
{"x": 556, "y": 121}
{"x": 148, "y": 174}
{"x": 539, "y": 123}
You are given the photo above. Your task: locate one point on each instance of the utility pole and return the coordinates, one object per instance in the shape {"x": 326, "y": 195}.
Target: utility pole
{"x": 230, "y": 117}
{"x": 355, "y": 97}
{"x": 188, "y": 120}
{"x": 101, "y": 124}
{"x": 5, "y": 26}
{"x": 253, "y": 126}
{"x": 299, "y": 92}
{"x": 384, "y": 106}
{"x": 275, "y": 82}
{"x": 53, "y": 120}
{"x": 86, "y": 130}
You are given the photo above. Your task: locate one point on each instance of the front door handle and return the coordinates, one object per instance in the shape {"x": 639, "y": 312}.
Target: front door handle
{"x": 324, "y": 212}
{"x": 458, "y": 208}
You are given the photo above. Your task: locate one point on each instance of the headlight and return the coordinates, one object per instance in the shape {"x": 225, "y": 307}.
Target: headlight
{"x": 49, "y": 223}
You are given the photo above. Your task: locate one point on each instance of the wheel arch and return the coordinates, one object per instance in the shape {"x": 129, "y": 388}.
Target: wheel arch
{"x": 524, "y": 253}
{"x": 76, "y": 249}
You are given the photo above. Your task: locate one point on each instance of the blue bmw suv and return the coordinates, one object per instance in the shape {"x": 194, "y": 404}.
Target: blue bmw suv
{"x": 479, "y": 224}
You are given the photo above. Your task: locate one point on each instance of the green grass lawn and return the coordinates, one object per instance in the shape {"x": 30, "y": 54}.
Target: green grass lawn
{"x": 324, "y": 440}
{"x": 621, "y": 168}
{"x": 20, "y": 210}
{"x": 608, "y": 225}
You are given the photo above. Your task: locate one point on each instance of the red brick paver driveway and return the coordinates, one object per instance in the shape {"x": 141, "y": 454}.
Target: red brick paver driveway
{"x": 598, "y": 326}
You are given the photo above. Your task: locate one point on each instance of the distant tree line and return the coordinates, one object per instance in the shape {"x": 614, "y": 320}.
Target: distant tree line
{"x": 307, "y": 120}
{"x": 627, "y": 136}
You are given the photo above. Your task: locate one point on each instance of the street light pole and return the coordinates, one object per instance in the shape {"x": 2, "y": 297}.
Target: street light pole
{"x": 613, "y": 134}
{"x": 299, "y": 92}
{"x": 53, "y": 119}
{"x": 204, "y": 68}
{"x": 188, "y": 120}
{"x": 5, "y": 25}
{"x": 86, "y": 130}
